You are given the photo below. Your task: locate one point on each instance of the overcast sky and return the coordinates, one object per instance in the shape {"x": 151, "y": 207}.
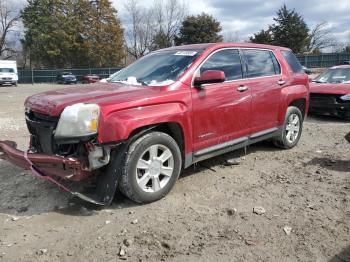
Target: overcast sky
{"x": 249, "y": 16}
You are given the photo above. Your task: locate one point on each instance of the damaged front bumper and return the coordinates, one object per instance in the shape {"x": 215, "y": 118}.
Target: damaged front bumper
{"x": 49, "y": 166}
{"x": 328, "y": 104}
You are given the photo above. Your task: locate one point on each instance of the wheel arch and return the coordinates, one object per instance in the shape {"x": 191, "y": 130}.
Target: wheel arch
{"x": 300, "y": 104}
{"x": 173, "y": 129}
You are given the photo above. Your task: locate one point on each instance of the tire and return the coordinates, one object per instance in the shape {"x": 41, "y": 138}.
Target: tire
{"x": 290, "y": 135}
{"x": 142, "y": 179}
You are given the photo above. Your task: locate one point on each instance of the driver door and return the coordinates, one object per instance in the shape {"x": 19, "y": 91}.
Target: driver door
{"x": 221, "y": 111}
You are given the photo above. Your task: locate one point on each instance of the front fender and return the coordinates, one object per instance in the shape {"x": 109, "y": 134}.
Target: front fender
{"x": 119, "y": 125}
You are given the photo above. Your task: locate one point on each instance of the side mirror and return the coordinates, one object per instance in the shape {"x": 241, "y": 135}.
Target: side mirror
{"x": 210, "y": 77}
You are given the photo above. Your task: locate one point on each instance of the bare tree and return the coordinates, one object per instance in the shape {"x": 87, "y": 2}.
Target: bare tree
{"x": 139, "y": 34}
{"x": 232, "y": 36}
{"x": 152, "y": 28}
{"x": 9, "y": 19}
{"x": 320, "y": 37}
{"x": 168, "y": 15}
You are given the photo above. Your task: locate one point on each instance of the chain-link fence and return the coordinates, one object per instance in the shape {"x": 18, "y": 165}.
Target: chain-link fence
{"x": 49, "y": 76}
{"x": 324, "y": 60}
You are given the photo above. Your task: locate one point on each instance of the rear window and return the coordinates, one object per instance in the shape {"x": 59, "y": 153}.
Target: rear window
{"x": 260, "y": 63}
{"x": 293, "y": 62}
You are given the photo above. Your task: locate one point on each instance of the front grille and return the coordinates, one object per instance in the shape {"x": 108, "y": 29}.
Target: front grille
{"x": 325, "y": 98}
{"x": 41, "y": 117}
{"x": 7, "y": 78}
{"x": 42, "y": 127}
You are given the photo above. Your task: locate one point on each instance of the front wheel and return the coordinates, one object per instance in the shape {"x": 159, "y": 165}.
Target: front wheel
{"x": 291, "y": 130}
{"x": 151, "y": 167}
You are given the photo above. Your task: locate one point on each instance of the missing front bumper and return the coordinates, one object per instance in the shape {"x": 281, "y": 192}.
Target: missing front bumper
{"x": 67, "y": 168}
{"x": 47, "y": 167}
{"x": 328, "y": 104}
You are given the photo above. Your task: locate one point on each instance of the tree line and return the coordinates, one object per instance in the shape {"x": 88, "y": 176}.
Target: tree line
{"x": 89, "y": 33}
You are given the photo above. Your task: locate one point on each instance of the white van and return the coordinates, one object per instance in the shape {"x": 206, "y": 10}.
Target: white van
{"x": 8, "y": 72}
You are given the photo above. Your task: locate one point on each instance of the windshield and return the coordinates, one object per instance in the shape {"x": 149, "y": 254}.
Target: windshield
{"x": 156, "y": 69}
{"x": 335, "y": 75}
{"x": 7, "y": 70}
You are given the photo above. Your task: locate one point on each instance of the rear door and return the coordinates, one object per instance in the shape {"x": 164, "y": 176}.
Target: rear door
{"x": 262, "y": 74}
{"x": 221, "y": 111}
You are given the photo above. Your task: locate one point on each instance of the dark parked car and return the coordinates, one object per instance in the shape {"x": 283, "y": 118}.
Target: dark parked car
{"x": 330, "y": 92}
{"x": 344, "y": 63}
{"x": 89, "y": 79}
{"x": 170, "y": 109}
{"x": 66, "y": 78}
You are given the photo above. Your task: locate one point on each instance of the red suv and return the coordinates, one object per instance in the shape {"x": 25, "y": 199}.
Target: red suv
{"x": 168, "y": 110}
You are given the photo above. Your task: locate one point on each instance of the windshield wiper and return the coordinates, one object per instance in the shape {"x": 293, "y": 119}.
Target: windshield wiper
{"x": 117, "y": 81}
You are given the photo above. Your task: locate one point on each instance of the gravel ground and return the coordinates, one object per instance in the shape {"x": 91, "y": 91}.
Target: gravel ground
{"x": 301, "y": 200}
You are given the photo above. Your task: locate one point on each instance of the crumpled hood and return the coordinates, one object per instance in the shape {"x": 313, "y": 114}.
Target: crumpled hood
{"x": 53, "y": 102}
{"x": 334, "y": 89}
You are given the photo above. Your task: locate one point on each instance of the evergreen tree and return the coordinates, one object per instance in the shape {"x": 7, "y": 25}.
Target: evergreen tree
{"x": 72, "y": 33}
{"x": 160, "y": 40}
{"x": 262, "y": 37}
{"x": 290, "y": 30}
{"x": 202, "y": 28}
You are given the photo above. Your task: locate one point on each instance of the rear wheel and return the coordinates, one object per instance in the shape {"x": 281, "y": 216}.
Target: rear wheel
{"x": 151, "y": 167}
{"x": 291, "y": 130}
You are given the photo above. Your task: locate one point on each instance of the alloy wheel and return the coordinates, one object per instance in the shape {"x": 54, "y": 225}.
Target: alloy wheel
{"x": 292, "y": 128}
{"x": 154, "y": 168}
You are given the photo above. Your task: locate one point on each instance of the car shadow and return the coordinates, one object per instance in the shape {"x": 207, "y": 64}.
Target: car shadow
{"x": 74, "y": 206}
{"x": 120, "y": 201}
{"x": 330, "y": 164}
{"x": 342, "y": 256}
{"x": 78, "y": 207}
{"x": 322, "y": 119}
{"x": 221, "y": 160}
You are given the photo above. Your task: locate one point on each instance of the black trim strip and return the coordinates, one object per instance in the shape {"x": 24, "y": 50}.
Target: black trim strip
{"x": 264, "y": 132}
{"x": 220, "y": 146}
{"x": 234, "y": 144}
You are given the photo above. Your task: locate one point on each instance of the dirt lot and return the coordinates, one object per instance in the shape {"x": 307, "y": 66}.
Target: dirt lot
{"x": 208, "y": 216}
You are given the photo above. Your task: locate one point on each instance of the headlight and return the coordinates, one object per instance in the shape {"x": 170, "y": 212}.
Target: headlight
{"x": 345, "y": 97}
{"x": 78, "y": 120}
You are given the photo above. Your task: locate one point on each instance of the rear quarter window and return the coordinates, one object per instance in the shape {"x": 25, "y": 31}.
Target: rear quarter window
{"x": 293, "y": 61}
{"x": 276, "y": 64}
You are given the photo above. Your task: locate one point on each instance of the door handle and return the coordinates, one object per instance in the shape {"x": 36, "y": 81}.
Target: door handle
{"x": 281, "y": 82}
{"x": 242, "y": 88}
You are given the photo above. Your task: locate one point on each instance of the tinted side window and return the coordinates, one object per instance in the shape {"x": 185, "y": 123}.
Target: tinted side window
{"x": 227, "y": 60}
{"x": 258, "y": 63}
{"x": 293, "y": 61}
